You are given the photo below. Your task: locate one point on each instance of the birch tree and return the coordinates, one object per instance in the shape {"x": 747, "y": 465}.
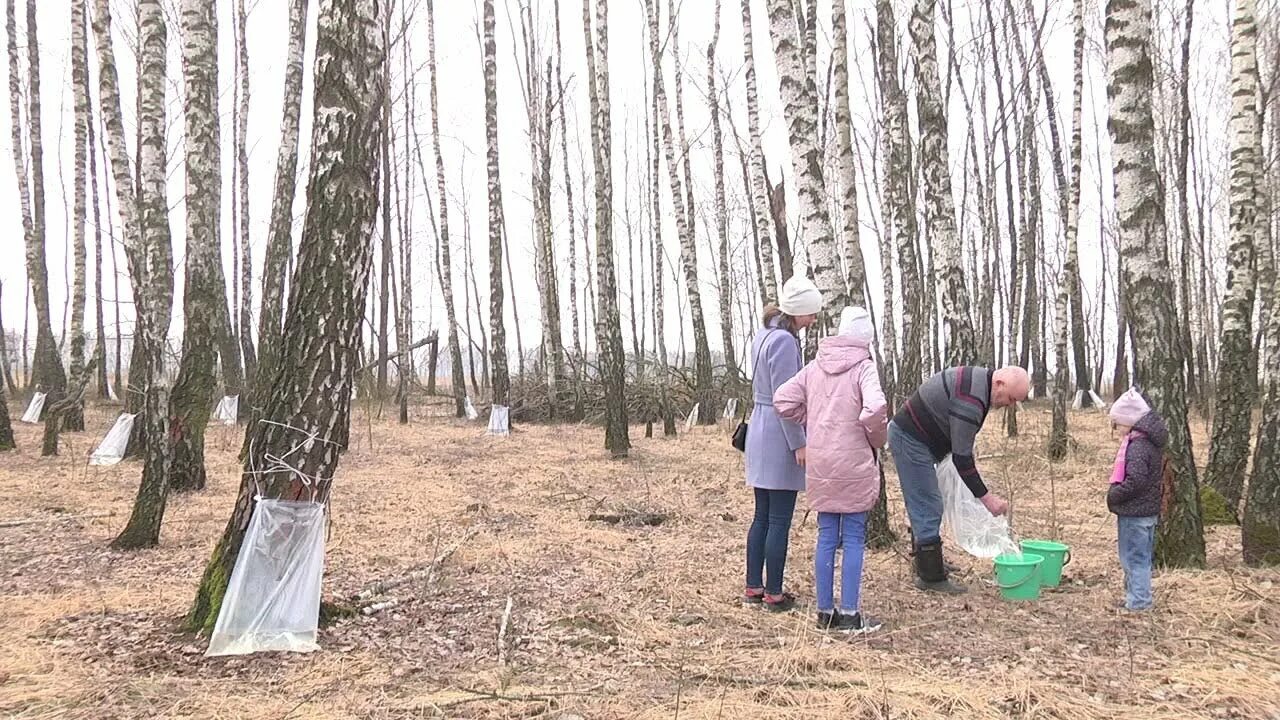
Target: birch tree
{"x": 940, "y": 211}
{"x": 682, "y": 198}
{"x": 248, "y": 358}
{"x": 722, "y": 219}
{"x": 855, "y": 270}
{"x": 73, "y": 419}
{"x": 153, "y": 289}
{"x": 280, "y": 230}
{"x": 192, "y": 399}
{"x": 46, "y": 372}
{"x": 759, "y": 189}
{"x": 445, "y": 261}
{"x": 800, "y": 100}
{"x": 307, "y": 415}
{"x": 1069, "y": 204}
{"x": 1260, "y": 524}
{"x": 497, "y": 323}
{"x": 899, "y": 211}
{"x": 1237, "y": 375}
{"x": 608, "y": 324}
{"x": 1145, "y": 267}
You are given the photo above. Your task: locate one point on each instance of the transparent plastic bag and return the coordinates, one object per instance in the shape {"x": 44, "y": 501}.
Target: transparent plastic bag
{"x": 228, "y": 410}
{"x": 500, "y": 420}
{"x": 693, "y": 417}
{"x": 471, "y": 410}
{"x": 111, "y": 450}
{"x": 32, "y": 415}
{"x": 972, "y": 526}
{"x": 273, "y": 599}
{"x": 1078, "y": 403}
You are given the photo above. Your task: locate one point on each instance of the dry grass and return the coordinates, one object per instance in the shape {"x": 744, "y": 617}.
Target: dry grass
{"x": 609, "y": 621}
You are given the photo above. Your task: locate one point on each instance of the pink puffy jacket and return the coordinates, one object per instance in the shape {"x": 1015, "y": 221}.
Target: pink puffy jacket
{"x": 839, "y": 401}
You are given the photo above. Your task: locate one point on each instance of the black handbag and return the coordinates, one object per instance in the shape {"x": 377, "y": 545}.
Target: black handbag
{"x": 740, "y": 435}
{"x": 739, "y": 440}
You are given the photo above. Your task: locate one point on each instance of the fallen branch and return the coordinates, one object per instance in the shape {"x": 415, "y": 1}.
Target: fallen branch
{"x": 428, "y": 340}
{"x": 485, "y": 696}
{"x": 629, "y": 518}
{"x": 60, "y": 518}
{"x": 753, "y": 681}
{"x": 368, "y": 610}
{"x": 427, "y": 573}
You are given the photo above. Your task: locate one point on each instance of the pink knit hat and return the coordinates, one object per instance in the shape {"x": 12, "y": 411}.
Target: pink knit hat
{"x": 1129, "y": 408}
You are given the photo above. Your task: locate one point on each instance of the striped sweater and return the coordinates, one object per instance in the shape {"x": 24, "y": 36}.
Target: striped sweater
{"x": 946, "y": 413}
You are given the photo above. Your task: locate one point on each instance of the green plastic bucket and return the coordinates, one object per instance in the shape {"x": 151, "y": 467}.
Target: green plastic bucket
{"x": 1018, "y": 577}
{"x": 1056, "y": 556}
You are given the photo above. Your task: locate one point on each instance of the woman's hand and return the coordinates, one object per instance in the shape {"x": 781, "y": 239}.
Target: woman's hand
{"x": 801, "y": 457}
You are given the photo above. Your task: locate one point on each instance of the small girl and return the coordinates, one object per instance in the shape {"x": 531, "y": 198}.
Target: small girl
{"x": 838, "y": 400}
{"x": 1135, "y": 492}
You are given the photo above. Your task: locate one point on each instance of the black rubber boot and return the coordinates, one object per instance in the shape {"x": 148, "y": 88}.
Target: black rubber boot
{"x": 931, "y": 572}
{"x": 951, "y": 569}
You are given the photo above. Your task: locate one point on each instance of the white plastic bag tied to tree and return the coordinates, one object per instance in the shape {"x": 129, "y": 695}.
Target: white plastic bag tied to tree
{"x": 273, "y": 599}
{"x": 228, "y": 410}
{"x": 1078, "y": 403}
{"x": 972, "y": 526}
{"x": 32, "y": 415}
{"x": 111, "y": 450}
{"x": 500, "y": 420}
{"x": 471, "y": 410}
{"x": 693, "y": 417}
{"x": 731, "y": 408}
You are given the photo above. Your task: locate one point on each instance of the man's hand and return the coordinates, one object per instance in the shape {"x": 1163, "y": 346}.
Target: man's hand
{"x": 995, "y": 504}
{"x": 801, "y": 457}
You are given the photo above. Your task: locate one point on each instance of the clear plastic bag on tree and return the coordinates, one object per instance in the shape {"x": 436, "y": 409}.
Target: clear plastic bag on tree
{"x": 273, "y": 599}
{"x": 500, "y": 420}
{"x": 32, "y": 415}
{"x": 228, "y": 410}
{"x": 972, "y": 526}
{"x": 111, "y": 450}
{"x": 731, "y": 408}
{"x": 693, "y": 417}
{"x": 471, "y": 410}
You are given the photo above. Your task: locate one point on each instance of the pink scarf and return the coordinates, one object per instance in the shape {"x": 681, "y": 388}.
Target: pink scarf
{"x": 1117, "y": 472}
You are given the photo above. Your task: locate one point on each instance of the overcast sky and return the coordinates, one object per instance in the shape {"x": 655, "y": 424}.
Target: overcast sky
{"x": 462, "y": 131}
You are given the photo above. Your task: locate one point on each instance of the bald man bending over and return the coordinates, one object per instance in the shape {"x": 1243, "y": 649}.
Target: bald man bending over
{"x": 942, "y": 418}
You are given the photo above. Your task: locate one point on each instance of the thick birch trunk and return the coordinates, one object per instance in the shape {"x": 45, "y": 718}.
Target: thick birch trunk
{"x": 497, "y": 323}
{"x": 308, "y": 411}
{"x": 192, "y": 399}
{"x": 1145, "y": 267}
{"x": 940, "y": 204}
{"x": 155, "y": 301}
{"x": 280, "y": 231}
{"x": 800, "y": 99}
{"x": 608, "y": 325}
{"x": 1237, "y": 376}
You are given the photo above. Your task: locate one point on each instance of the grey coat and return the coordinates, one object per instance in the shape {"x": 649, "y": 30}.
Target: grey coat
{"x": 1140, "y": 493}
{"x": 772, "y": 441}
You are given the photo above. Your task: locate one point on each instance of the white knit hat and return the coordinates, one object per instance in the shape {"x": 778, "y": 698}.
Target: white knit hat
{"x": 800, "y": 297}
{"x": 856, "y": 323}
{"x": 1129, "y": 408}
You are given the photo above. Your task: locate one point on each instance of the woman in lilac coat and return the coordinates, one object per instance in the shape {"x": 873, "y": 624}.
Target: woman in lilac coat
{"x": 776, "y": 447}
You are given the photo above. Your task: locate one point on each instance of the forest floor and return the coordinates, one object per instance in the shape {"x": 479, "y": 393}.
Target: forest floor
{"x": 607, "y": 620}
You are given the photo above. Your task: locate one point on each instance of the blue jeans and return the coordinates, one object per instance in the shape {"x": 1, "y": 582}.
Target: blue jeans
{"x": 847, "y": 531}
{"x": 767, "y": 538}
{"x": 918, "y": 476}
{"x": 1136, "y": 538}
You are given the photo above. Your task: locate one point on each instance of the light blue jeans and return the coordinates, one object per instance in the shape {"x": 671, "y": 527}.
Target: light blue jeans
{"x": 1136, "y": 538}
{"x": 847, "y": 531}
{"x": 918, "y": 475}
